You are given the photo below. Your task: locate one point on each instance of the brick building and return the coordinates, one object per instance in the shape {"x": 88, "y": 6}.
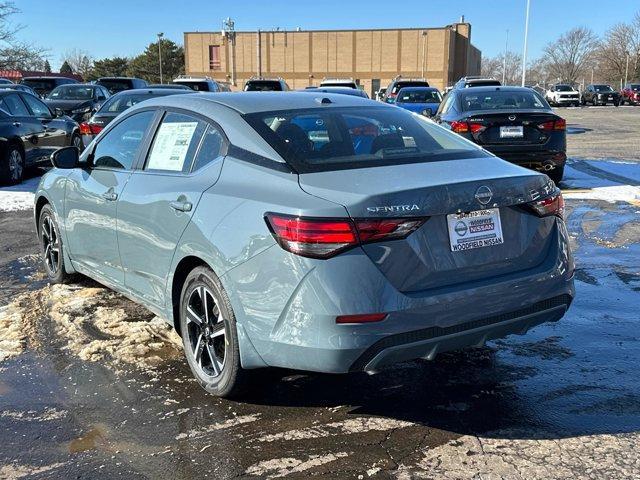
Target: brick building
{"x": 372, "y": 57}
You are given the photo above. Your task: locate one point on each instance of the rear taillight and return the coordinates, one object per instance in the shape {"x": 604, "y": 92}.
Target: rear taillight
{"x": 466, "y": 127}
{"x": 363, "y": 318}
{"x": 551, "y": 205}
{"x": 325, "y": 237}
{"x": 90, "y": 129}
{"x": 459, "y": 127}
{"x": 560, "y": 124}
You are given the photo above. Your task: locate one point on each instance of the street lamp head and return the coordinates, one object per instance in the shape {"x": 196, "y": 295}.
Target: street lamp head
{"x": 160, "y": 35}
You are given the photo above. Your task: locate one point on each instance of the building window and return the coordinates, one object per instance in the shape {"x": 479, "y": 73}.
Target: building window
{"x": 214, "y": 57}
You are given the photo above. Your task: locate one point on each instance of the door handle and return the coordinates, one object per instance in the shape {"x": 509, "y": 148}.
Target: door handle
{"x": 181, "y": 206}
{"x": 16, "y": 124}
{"x": 110, "y": 196}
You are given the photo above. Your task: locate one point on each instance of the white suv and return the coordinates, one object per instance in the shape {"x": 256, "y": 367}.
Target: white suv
{"x": 562, "y": 94}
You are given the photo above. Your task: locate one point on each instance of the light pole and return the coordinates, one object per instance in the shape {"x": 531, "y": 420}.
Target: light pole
{"x": 626, "y": 70}
{"x": 526, "y": 36}
{"x": 504, "y": 60}
{"x": 160, "y": 35}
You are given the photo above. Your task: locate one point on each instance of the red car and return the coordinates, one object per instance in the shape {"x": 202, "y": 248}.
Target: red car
{"x": 630, "y": 94}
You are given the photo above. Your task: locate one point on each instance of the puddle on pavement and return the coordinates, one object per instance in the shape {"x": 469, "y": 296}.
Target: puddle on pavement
{"x": 90, "y": 440}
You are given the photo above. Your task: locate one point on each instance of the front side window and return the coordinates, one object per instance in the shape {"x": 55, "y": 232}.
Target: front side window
{"x": 15, "y": 105}
{"x": 176, "y": 143}
{"x": 501, "y": 100}
{"x": 354, "y": 137}
{"x": 603, "y": 88}
{"x": 120, "y": 146}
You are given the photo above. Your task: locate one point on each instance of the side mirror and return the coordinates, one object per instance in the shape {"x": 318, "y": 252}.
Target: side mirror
{"x": 67, "y": 157}
{"x": 58, "y": 112}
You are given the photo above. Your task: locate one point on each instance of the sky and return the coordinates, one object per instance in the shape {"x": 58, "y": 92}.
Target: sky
{"x": 125, "y": 27}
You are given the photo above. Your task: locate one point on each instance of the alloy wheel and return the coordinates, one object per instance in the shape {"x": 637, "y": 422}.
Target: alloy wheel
{"x": 15, "y": 165}
{"x": 50, "y": 244}
{"x": 207, "y": 331}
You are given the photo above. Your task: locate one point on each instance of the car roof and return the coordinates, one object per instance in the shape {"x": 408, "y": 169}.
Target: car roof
{"x": 48, "y": 77}
{"x": 253, "y": 102}
{"x": 138, "y": 91}
{"x": 493, "y": 88}
{"x": 118, "y": 78}
{"x": 418, "y": 87}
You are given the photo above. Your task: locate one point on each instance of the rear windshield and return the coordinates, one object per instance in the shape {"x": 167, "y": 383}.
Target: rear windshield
{"x": 502, "y": 100}
{"x": 115, "y": 86}
{"x": 602, "y": 88}
{"x": 563, "y": 88}
{"x": 398, "y": 85}
{"x": 71, "y": 92}
{"x": 338, "y": 84}
{"x": 324, "y": 139}
{"x": 263, "y": 86}
{"x": 119, "y": 103}
{"x": 635, "y": 87}
{"x": 419, "y": 96}
{"x": 39, "y": 84}
{"x": 197, "y": 86}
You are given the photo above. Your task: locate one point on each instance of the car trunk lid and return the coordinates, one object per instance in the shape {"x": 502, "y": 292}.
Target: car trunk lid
{"x": 525, "y": 127}
{"x": 435, "y": 190}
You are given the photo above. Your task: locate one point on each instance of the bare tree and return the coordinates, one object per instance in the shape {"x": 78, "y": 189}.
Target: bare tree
{"x": 22, "y": 56}
{"x": 570, "y": 56}
{"x": 80, "y": 61}
{"x": 621, "y": 43}
{"x": 7, "y": 29}
{"x": 493, "y": 67}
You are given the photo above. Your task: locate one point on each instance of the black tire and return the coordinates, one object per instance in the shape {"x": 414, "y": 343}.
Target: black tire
{"x": 583, "y": 102}
{"x": 51, "y": 247}
{"x": 202, "y": 341}
{"x": 76, "y": 141}
{"x": 556, "y": 175}
{"x": 12, "y": 165}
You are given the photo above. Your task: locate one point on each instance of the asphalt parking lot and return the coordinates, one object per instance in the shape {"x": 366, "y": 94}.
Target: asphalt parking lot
{"x": 92, "y": 386}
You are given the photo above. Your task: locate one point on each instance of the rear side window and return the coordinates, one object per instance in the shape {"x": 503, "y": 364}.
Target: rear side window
{"x": 15, "y": 105}
{"x": 210, "y": 148}
{"x": 323, "y": 139}
{"x": 198, "y": 86}
{"x": 119, "y": 148}
{"x": 175, "y": 143}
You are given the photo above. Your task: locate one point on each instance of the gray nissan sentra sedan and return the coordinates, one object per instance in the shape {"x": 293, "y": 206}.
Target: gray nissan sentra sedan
{"x": 323, "y": 232}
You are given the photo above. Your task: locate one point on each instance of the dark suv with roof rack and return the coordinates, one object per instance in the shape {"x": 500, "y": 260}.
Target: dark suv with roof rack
{"x": 398, "y": 83}
{"x": 260, "y": 84}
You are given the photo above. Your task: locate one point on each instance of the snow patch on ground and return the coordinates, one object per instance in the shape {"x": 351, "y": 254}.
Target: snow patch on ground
{"x": 619, "y": 193}
{"x": 91, "y": 323}
{"x": 15, "y": 471}
{"x": 281, "y": 467}
{"x": 230, "y": 423}
{"x": 18, "y": 197}
{"x": 344, "y": 427}
{"x": 472, "y": 457}
{"x": 49, "y": 413}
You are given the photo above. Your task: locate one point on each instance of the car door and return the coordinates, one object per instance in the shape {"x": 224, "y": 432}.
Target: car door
{"x": 24, "y": 125}
{"x": 160, "y": 197}
{"x": 92, "y": 195}
{"x": 54, "y": 130}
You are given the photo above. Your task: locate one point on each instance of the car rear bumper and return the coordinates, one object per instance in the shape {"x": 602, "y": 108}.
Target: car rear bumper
{"x": 542, "y": 161}
{"x": 429, "y": 342}
{"x": 564, "y": 101}
{"x": 288, "y": 306}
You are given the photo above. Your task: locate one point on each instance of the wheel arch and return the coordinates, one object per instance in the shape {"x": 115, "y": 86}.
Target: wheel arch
{"x": 41, "y": 201}
{"x": 184, "y": 266}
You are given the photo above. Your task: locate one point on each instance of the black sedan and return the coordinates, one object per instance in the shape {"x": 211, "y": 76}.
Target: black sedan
{"x": 29, "y": 134}
{"x": 117, "y": 104}
{"x": 79, "y": 101}
{"x": 600, "y": 95}
{"x": 514, "y": 123}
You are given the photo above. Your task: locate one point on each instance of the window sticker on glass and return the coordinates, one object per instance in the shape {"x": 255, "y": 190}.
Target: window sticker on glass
{"x": 171, "y": 146}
